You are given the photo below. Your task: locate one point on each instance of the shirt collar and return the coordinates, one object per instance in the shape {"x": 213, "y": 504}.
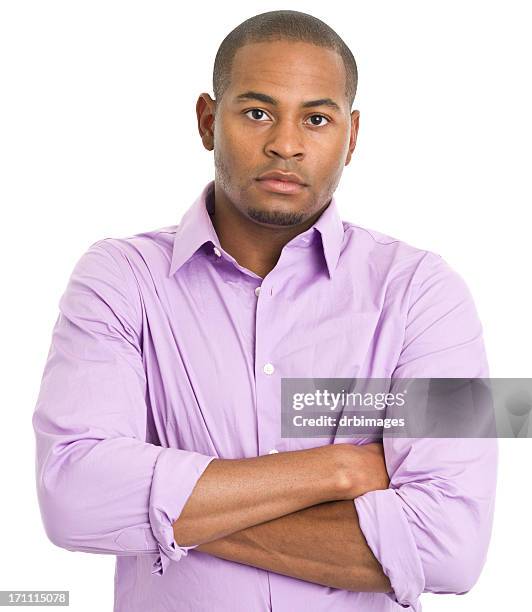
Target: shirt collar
{"x": 196, "y": 228}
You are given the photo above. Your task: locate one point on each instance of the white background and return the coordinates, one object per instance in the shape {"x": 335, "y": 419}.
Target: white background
{"x": 98, "y": 138}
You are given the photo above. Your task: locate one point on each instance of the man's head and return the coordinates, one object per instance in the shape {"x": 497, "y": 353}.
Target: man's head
{"x": 284, "y": 83}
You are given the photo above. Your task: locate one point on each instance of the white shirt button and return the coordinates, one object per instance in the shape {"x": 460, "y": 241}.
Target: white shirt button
{"x": 217, "y": 252}
{"x": 257, "y": 291}
{"x": 268, "y": 369}
{"x": 272, "y": 451}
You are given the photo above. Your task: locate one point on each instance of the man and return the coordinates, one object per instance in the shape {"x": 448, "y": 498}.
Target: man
{"x": 158, "y": 420}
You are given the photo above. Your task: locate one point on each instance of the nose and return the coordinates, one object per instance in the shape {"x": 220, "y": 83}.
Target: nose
{"x": 285, "y": 141}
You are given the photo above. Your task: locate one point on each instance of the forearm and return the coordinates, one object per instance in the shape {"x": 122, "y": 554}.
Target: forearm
{"x": 322, "y": 544}
{"x": 234, "y": 494}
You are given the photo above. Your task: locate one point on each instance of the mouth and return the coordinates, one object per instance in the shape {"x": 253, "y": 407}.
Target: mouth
{"x": 278, "y": 186}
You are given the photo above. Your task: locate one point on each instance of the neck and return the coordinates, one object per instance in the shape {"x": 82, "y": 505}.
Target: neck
{"x": 256, "y": 247}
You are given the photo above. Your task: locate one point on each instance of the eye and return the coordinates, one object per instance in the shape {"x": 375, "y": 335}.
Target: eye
{"x": 320, "y": 117}
{"x": 255, "y": 110}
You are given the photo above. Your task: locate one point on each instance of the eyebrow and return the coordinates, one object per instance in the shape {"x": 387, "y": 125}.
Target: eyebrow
{"x": 255, "y": 95}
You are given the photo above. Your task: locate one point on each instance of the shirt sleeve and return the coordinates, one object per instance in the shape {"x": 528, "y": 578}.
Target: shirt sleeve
{"x": 101, "y": 487}
{"x": 431, "y": 528}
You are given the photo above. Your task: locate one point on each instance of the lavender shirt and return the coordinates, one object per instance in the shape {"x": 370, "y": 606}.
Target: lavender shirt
{"x": 167, "y": 353}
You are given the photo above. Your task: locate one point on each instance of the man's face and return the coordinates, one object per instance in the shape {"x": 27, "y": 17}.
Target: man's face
{"x": 253, "y": 136}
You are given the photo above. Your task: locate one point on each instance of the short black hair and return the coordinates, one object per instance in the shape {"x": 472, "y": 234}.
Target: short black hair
{"x": 281, "y": 25}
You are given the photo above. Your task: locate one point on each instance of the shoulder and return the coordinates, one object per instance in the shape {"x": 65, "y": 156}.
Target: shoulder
{"x": 119, "y": 270}
{"x": 138, "y": 256}
{"x": 400, "y": 263}
{"x": 142, "y": 244}
{"x": 384, "y": 254}
{"x": 377, "y": 243}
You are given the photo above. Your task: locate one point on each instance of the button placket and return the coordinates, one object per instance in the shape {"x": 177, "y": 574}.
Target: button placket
{"x": 266, "y": 373}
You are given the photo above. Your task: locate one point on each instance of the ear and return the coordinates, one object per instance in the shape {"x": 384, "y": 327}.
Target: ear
{"x": 355, "y": 115}
{"x": 205, "y": 113}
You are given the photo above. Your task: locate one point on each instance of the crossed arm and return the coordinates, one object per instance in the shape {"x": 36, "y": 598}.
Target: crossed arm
{"x": 291, "y": 513}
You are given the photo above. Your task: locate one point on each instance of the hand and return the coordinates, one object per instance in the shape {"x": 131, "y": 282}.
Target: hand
{"x": 362, "y": 468}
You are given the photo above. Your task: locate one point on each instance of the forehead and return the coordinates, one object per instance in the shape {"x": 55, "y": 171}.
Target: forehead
{"x": 290, "y": 66}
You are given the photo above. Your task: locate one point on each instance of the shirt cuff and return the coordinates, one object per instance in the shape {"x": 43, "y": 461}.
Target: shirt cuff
{"x": 175, "y": 475}
{"x": 388, "y": 535}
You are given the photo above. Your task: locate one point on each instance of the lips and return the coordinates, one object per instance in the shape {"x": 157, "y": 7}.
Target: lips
{"x": 277, "y": 175}
{"x": 277, "y": 186}
{"x": 281, "y": 182}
